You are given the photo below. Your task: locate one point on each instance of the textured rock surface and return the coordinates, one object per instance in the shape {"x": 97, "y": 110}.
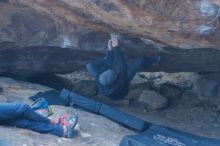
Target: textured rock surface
{"x": 207, "y": 89}
{"x": 21, "y": 61}
{"x": 86, "y": 88}
{"x": 146, "y": 27}
{"x": 152, "y": 100}
{"x": 182, "y": 23}
{"x": 170, "y": 90}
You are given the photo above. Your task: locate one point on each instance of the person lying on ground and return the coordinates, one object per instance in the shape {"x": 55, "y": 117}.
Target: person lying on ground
{"x": 112, "y": 74}
{"x": 23, "y": 116}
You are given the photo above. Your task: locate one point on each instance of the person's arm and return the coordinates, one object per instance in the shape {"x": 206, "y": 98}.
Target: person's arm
{"x": 98, "y": 66}
{"x": 109, "y": 54}
{"x": 120, "y": 68}
{"x": 109, "y": 59}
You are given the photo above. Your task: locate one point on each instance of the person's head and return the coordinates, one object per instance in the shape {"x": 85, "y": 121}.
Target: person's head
{"x": 108, "y": 77}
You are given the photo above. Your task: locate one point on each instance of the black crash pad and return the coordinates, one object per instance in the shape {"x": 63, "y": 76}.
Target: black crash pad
{"x": 160, "y": 136}
{"x": 51, "y": 96}
{"x": 105, "y": 110}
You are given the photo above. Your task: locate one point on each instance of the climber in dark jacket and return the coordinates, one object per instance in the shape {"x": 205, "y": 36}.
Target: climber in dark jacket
{"x": 112, "y": 74}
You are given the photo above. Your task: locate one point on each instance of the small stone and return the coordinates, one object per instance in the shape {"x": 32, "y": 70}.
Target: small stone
{"x": 133, "y": 94}
{"x": 170, "y": 90}
{"x": 86, "y": 87}
{"x": 152, "y": 100}
{"x": 206, "y": 89}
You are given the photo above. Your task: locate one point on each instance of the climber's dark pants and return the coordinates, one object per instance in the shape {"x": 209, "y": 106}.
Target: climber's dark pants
{"x": 22, "y": 116}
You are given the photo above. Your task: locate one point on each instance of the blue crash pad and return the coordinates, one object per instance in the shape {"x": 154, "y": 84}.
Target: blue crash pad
{"x": 160, "y": 136}
{"x": 66, "y": 97}
{"x": 105, "y": 110}
{"x": 51, "y": 96}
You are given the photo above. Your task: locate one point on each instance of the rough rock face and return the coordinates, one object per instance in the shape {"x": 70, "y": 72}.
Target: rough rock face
{"x": 146, "y": 27}
{"x": 182, "y": 23}
{"x": 152, "y": 100}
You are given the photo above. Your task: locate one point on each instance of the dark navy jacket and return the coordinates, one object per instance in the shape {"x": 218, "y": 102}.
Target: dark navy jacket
{"x": 118, "y": 90}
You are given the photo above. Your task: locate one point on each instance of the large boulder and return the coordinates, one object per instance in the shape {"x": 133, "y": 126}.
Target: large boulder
{"x": 145, "y": 28}
{"x": 186, "y": 24}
